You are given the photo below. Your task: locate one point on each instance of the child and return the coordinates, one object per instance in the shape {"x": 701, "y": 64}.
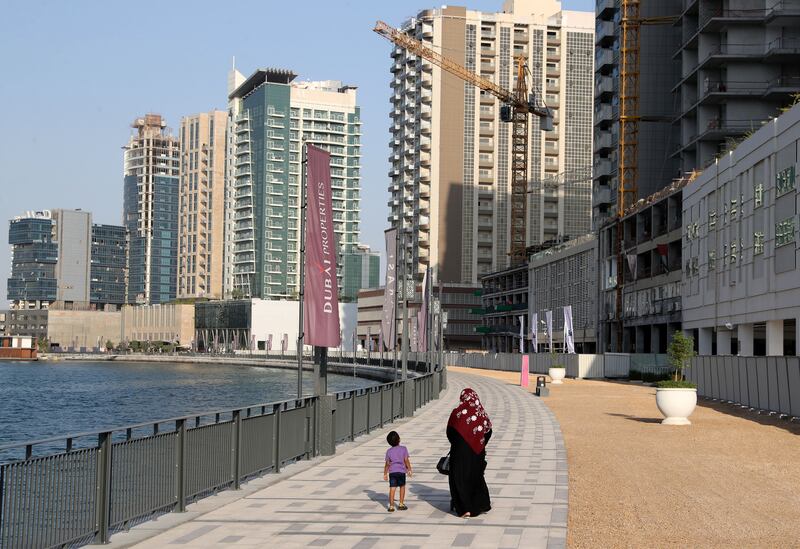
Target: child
{"x": 395, "y": 468}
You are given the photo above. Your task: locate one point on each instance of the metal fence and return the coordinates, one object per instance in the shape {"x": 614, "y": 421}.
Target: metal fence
{"x": 764, "y": 383}
{"x": 99, "y": 483}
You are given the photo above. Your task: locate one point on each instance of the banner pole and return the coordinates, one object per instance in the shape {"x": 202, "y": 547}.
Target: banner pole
{"x": 302, "y": 273}
{"x": 394, "y": 314}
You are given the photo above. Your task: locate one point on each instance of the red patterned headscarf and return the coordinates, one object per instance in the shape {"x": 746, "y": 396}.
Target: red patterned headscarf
{"x": 471, "y": 421}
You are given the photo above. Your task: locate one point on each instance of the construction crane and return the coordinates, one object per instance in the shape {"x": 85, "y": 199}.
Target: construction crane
{"x": 516, "y": 106}
{"x": 629, "y": 118}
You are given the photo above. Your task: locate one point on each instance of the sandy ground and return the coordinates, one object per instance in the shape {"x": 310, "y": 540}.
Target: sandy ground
{"x": 731, "y": 479}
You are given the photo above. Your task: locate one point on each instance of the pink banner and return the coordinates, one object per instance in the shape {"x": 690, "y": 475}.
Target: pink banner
{"x": 321, "y": 299}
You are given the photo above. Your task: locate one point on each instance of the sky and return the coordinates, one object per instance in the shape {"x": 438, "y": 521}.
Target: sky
{"x": 74, "y": 75}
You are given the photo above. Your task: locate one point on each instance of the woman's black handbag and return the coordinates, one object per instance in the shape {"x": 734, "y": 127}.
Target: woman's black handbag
{"x": 444, "y": 464}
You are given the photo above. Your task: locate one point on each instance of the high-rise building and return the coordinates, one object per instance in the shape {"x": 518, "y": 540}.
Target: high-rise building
{"x": 60, "y": 259}
{"x": 108, "y": 270}
{"x": 659, "y": 71}
{"x": 202, "y": 205}
{"x": 270, "y": 117}
{"x": 451, "y": 153}
{"x": 360, "y": 269}
{"x": 738, "y": 69}
{"x": 150, "y": 211}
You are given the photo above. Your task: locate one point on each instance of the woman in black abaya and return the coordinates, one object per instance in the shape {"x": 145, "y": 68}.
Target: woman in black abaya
{"x": 468, "y": 430}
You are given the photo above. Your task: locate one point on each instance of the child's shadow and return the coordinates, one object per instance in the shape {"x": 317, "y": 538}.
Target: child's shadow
{"x": 435, "y": 497}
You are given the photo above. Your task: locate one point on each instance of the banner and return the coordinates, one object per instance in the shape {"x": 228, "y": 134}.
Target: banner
{"x": 522, "y": 334}
{"x": 390, "y": 288}
{"x": 369, "y": 339}
{"x": 269, "y": 342}
{"x": 534, "y": 332}
{"x": 413, "y": 342}
{"x": 569, "y": 340}
{"x": 422, "y": 317}
{"x": 321, "y": 293}
{"x": 632, "y": 264}
{"x": 548, "y": 321}
{"x": 252, "y": 342}
{"x": 285, "y": 343}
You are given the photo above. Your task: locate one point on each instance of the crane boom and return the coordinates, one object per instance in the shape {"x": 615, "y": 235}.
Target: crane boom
{"x": 522, "y": 105}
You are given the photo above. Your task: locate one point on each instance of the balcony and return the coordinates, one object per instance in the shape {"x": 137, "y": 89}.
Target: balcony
{"x": 717, "y": 129}
{"x": 601, "y": 194}
{"x": 783, "y": 49}
{"x": 603, "y": 85}
{"x": 722, "y": 54}
{"x": 603, "y": 113}
{"x": 602, "y": 167}
{"x": 602, "y": 141}
{"x": 603, "y": 29}
{"x": 604, "y": 8}
{"x": 604, "y": 57}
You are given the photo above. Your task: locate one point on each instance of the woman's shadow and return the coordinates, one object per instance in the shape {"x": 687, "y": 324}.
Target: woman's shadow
{"x": 435, "y": 497}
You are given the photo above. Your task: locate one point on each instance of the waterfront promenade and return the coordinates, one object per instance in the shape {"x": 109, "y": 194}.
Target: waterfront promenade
{"x": 341, "y": 501}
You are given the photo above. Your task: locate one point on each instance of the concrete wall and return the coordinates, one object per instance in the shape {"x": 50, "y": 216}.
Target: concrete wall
{"x": 173, "y": 322}
{"x": 83, "y": 329}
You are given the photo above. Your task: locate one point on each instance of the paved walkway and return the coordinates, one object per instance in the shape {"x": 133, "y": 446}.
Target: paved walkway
{"x": 341, "y": 502}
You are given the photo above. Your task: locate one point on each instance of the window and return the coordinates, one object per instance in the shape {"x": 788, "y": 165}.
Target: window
{"x": 758, "y": 243}
{"x": 758, "y": 195}
{"x": 784, "y": 232}
{"x": 784, "y": 181}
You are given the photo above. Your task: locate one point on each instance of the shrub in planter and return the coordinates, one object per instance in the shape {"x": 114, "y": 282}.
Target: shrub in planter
{"x": 676, "y": 398}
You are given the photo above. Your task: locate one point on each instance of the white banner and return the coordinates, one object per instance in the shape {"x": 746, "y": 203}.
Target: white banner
{"x": 522, "y": 334}
{"x": 534, "y": 332}
{"x": 548, "y": 320}
{"x": 569, "y": 340}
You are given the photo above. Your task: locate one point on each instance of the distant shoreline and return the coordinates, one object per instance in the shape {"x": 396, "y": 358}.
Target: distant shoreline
{"x": 375, "y": 373}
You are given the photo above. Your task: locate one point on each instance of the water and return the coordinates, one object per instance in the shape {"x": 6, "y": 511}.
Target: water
{"x": 42, "y": 400}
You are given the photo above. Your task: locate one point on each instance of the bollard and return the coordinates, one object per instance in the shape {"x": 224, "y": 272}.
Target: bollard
{"x": 541, "y": 387}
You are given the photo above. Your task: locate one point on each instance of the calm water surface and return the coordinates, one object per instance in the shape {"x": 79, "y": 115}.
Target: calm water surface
{"x": 45, "y": 399}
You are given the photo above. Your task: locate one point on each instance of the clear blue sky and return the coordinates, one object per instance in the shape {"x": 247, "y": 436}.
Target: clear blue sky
{"x": 74, "y": 75}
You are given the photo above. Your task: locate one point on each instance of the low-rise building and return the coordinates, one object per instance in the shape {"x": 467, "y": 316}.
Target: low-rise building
{"x": 741, "y": 289}
{"x": 170, "y": 323}
{"x": 565, "y": 275}
{"x": 640, "y": 310}
{"x": 504, "y": 297}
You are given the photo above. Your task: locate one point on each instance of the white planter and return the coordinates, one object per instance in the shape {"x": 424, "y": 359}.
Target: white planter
{"x": 557, "y": 374}
{"x": 676, "y": 405}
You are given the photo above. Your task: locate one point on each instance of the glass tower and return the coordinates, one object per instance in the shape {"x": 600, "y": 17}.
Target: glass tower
{"x": 150, "y": 211}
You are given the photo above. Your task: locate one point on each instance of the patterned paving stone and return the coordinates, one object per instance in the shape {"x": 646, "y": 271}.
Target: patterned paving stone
{"x": 342, "y": 502}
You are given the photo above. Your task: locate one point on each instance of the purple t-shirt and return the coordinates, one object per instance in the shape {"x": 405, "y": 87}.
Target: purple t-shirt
{"x": 396, "y": 456}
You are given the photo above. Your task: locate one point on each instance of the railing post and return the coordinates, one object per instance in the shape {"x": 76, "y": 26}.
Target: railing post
{"x": 276, "y": 436}
{"x": 237, "y": 448}
{"x": 103, "y": 488}
{"x": 380, "y": 393}
{"x": 180, "y": 474}
{"x": 352, "y": 415}
{"x": 369, "y": 393}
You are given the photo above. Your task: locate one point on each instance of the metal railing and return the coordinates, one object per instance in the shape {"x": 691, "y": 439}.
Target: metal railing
{"x": 79, "y": 489}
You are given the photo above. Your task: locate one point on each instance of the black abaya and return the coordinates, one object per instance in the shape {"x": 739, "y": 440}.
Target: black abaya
{"x": 468, "y": 490}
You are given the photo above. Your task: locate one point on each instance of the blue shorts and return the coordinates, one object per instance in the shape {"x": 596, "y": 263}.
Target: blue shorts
{"x": 397, "y": 479}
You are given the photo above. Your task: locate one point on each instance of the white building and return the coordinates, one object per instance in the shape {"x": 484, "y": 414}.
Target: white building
{"x": 741, "y": 289}
{"x": 450, "y": 163}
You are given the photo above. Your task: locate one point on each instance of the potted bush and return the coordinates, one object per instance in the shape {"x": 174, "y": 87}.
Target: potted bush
{"x": 557, "y": 372}
{"x": 676, "y": 398}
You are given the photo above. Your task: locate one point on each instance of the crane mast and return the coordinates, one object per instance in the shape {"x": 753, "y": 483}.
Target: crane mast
{"x": 516, "y": 108}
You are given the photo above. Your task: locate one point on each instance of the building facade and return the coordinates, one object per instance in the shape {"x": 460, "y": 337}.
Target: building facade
{"x": 60, "y": 259}
{"x": 741, "y": 290}
{"x": 108, "y": 270}
{"x": 738, "y": 68}
{"x": 659, "y": 71}
{"x": 169, "y": 323}
{"x": 650, "y": 289}
{"x": 270, "y": 116}
{"x": 450, "y": 162}
{"x": 565, "y": 275}
{"x": 504, "y": 296}
{"x": 361, "y": 269}
{"x": 201, "y": 205}
{"x": 150, "y": 211}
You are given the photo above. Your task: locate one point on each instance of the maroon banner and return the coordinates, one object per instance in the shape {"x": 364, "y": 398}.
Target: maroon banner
{"x": 321, "y": 295}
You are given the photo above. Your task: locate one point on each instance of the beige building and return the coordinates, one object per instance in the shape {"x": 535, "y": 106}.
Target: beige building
{"x": 172, "y": 323}
{"x": 201, "y": 217}
{"x": 82, "y": 329}
{"x": 451, "y": 153}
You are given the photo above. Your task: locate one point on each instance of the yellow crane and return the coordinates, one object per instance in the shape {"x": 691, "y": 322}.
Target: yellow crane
{"x": 516, "y": 106}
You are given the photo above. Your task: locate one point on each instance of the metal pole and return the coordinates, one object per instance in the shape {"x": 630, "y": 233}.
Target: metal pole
{"x": 429, "y": 322}
{"x": 300, "y": 334}
{"x": 397, "y": 238}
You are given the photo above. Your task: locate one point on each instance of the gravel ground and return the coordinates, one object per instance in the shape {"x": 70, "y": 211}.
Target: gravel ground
{"x": 731, "y": 479}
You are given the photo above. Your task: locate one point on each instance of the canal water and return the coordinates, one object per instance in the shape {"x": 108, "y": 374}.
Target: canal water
{"x": 46, "y": 399}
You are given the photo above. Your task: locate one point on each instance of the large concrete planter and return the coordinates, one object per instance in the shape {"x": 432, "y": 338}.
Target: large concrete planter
{"x": 676, "y": 405}
{"x": 557, "y": 374}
